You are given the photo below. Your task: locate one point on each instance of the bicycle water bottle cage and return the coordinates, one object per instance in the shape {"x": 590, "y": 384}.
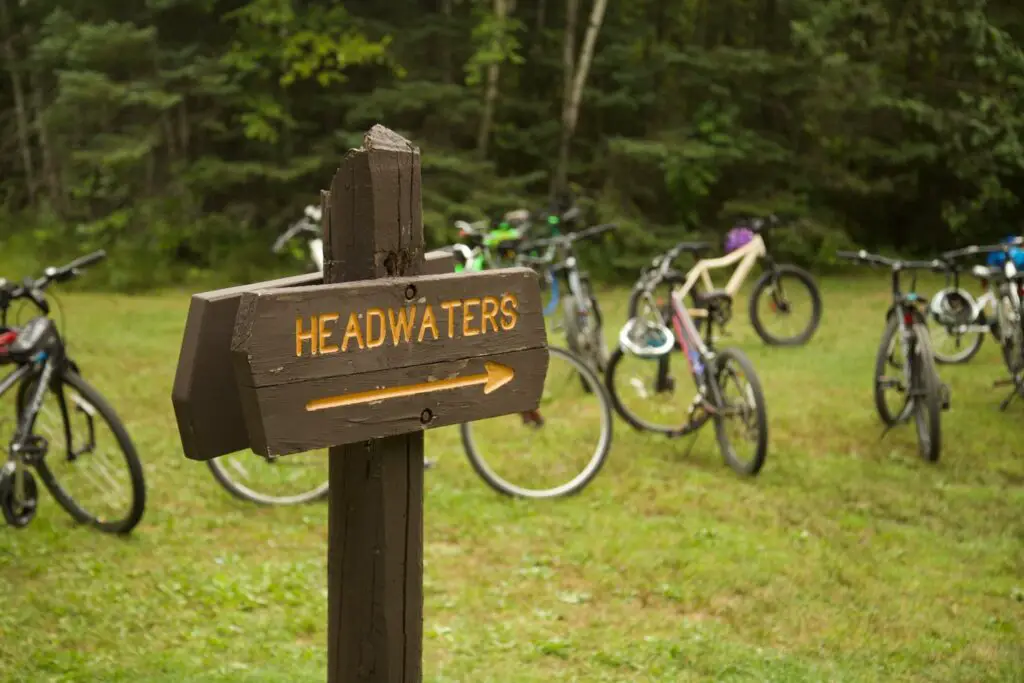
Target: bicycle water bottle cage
{"x": 646, "y": 339}
{"x": 39, "y": 334}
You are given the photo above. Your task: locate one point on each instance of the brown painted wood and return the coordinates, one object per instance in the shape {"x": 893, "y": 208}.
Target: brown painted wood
{"x": 205, "y": 394}
{"x": 282, "y": 425}
{"x": 375, "y": 512}
{"x": 447, "y": 316}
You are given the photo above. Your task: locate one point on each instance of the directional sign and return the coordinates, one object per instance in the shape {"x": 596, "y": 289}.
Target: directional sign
{"x": 333, "y": 364}
{"x": 205, "y": 394}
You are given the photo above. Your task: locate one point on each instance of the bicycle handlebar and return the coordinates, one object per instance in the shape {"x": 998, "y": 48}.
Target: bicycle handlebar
{"x": 32, "y": 289}
{"x": 303, "y": 225}
{"x": 566, "y": 240}
{"x": 975, "y": 249}
{"x": 896, "y": 264}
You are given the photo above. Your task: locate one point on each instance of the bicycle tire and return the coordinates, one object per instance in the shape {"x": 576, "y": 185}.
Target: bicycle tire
{"x": 124, "y": 442}
{"x": 753, "y": 467}
{"x": 634, "y": 421}
{"x": 577, "y": 483}
{"x": 762, "y": 286}
{"x": 881, "y": 362}
{"x": 927, "y": 401}
{"x": 241, "y": 491}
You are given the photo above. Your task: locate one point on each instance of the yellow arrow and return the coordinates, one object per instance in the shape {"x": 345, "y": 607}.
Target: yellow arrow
{"x": 495, "y": 376}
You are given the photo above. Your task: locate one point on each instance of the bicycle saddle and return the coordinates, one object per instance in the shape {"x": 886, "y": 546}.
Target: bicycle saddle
{"x": 986, "y": 272}
{"x": 712, "y": 299}
{"x": 694, "y": 247}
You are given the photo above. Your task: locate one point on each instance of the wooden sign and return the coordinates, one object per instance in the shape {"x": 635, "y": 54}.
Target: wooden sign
{"x": 320, "y": 366}
{"x": 205, "y": 395}
{"x": 363, "y": 362}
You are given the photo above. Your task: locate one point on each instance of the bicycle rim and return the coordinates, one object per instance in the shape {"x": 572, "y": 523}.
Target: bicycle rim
{"x": 97, "y": 478}
{"x": 291, "y": 480}
{"x": 568, "y": 415}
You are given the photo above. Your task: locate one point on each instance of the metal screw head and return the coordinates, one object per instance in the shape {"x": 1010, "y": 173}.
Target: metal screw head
{"x": 426, "y": 416}
{"x": 410, "y": 292}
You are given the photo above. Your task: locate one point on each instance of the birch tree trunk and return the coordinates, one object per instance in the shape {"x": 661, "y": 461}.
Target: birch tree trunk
{"x": 568, "y": 75}
{"x": 571, "y": 111}
{"x": 491, "y": 93}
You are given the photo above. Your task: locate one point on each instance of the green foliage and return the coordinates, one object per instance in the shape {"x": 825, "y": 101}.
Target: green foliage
{"x": 156, "y": 127}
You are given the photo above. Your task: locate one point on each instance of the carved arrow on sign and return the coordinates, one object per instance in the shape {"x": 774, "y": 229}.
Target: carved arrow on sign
{"x": 495, "y": 376}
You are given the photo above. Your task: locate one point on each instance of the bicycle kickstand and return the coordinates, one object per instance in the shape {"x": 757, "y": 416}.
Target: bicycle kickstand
{"x": 1013, "y": 392}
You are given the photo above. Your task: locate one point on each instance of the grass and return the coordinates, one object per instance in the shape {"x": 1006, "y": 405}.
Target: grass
{"x": 848, "y": 559}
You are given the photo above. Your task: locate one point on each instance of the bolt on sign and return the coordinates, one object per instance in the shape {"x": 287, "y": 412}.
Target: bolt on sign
{"x": 320, "y": 366}
{"x": 386, "y": 346}
{"x": 205, "y": 395}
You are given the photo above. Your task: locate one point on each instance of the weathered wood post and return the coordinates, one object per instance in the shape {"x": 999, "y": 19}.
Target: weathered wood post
{"x": 363, "y": 363}
{"x": 375, "y": 586}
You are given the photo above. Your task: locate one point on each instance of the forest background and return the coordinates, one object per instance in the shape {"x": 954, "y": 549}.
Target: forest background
{"x": 184, "y": 135}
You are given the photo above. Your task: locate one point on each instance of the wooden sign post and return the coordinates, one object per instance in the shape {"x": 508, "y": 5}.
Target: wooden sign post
{"x": 363, "y": 363}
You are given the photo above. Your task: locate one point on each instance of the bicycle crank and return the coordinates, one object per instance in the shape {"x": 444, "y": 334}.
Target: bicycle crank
{"x": 18, "y": 510}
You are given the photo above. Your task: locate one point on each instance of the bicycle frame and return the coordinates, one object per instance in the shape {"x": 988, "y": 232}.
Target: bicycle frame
{"x": 743, "y": 258}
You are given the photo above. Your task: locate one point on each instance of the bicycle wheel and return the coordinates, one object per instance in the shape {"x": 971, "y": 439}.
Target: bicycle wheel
{"x": 890, "y": 374}
{"x": 927, "y": 400}
{"x": 779, "y": 288}
{"x": 646, "y": 399}
{"x": 732, "y": 366}
{"x": 565, "y": 417}
{"x": 1012, "y": 337}
{"x": 290, "y": 480}
{"x": 95, "y": 476}
{"x": 950, "y": 346}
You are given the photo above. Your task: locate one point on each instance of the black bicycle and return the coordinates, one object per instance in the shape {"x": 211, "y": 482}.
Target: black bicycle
{"x": 59, "y": 421}
{"x": 905, "y": 364}
{"x": 647, "y": 338}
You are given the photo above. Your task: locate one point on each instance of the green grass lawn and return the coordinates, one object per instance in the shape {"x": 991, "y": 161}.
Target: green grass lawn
{"x": 848, "y": 559}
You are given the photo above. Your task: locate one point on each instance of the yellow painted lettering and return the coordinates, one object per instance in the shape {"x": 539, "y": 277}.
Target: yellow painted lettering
{"x": 326, "y": 333}
{"x": 401, "y": 325}
{"x": 448, "y": 306}
{"x": 428, "y": 323}
{"x": 490, "y": 312}
{"x": 373, "y": 342}
{"x": 509, "y": 304}
{"x": 352, "y": 331}
{"x": 467, "y": 317}
{"x": 301, "y": 336}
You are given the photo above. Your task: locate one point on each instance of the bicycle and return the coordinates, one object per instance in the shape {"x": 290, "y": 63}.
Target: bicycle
{"x": 647, "y": 337}
{"x": 308, "y": 225}
{"x": 477, "y": 255}
{"x": 955, "y": 311}
{"x": 581, "y": 314}
{"x": 770, "y": 283}
{"x": 923, "y": 395}
{"x": 43, "y": 369}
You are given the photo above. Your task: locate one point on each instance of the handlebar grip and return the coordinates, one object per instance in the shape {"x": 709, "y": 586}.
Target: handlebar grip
{"x": 86, "y": 260}
{"x": 852, "y": 255}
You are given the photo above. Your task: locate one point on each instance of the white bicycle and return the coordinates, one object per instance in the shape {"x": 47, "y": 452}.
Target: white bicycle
{"x": 308, "y": 226}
